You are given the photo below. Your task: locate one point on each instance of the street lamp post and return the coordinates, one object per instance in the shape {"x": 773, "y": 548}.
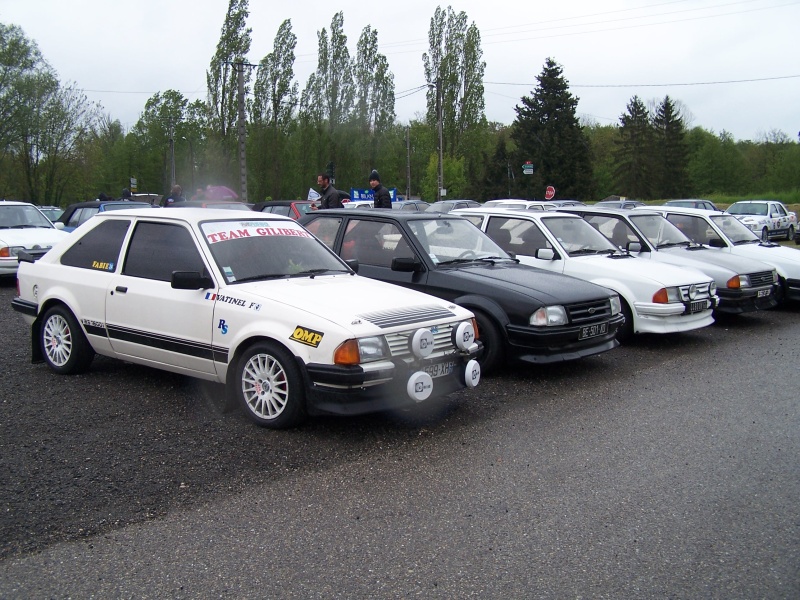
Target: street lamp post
{"x": 440, "y": 178}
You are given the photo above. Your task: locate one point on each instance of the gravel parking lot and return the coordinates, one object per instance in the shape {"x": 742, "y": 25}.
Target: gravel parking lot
{"x": 667, "y": 468}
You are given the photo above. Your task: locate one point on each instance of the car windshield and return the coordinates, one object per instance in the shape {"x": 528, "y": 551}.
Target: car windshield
{"x": 248, "y": 250}
{"x": 22, "y": 216}
{"x": 577, "y": 236}
{"x": 748, "y": 208}
{"x": 659, "y": 232}
{"x": 454, "y": 240}
{"x": 736, "y": 231}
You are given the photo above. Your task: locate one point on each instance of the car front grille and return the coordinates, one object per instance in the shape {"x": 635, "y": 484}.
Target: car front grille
{"x": 442, "y": 336}
{"x": 589, "y": 312}
{"x": 701, "y": 292}
{"x": 407, "y": 316}
{"x": 762, "y": 278}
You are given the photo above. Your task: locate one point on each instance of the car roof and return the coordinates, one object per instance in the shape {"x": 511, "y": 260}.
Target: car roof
{"x": 395, "y": 215}
{"x": 191, "y": 214}
{"x": 685, "y": 210}
{"x": 104, "y": 202}
{"x": 16, "y": 203}
{"x": 259, "y": 205}
{"x": 604, "y": 210}
{"x": 504, "y": 212}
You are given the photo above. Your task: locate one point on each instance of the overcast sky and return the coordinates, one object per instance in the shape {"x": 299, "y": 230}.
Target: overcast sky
{"x": 734, "y": 65}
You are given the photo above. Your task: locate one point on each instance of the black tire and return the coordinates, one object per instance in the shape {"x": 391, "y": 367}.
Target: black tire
{"x": 765, "y": 235}
{"x": 493, "y": 353}
{"x": 269, "y": 386}
{"x": 625, "y": 331}
{"x": 64, "y": 346}
{"x": 790, "y": 234}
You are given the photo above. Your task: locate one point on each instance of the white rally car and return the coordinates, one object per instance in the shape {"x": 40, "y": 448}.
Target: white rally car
{"x": 250, "y": 300}
{"x": 726, "y": 234}
{"x": 657, "y": 298}
{"x": 24, "y": 228}
{"x": 766, "y": 218}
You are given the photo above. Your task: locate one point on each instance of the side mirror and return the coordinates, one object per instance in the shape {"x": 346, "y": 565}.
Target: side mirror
{"x": 634, "y": 247}
{"x": 352, "y": 263}
{"x": 716, "y": 243}
{"x": 58, "y": 225}
{"x": 407, "y": 265}
{"x": 23, "y": 256}
{"x": 545, "y": 253}
{"x": 190, "y": 280}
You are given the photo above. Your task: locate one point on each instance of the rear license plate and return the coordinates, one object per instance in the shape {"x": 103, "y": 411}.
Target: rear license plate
{"x": 698, "y": 306}
{"x": 590, "y": 331}
{"x": 440, "y": 369}
{"x": 763, "y": 293}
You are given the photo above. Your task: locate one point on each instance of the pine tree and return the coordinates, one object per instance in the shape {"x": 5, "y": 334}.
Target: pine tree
{"x": 547, "y": 132}
{"x": 634, "y": 151}
{"x": 671, "y": 159}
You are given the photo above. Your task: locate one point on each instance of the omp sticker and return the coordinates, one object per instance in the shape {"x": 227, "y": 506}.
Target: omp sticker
{"x": 103, "y": 266}
{"x": 307, "y": 336}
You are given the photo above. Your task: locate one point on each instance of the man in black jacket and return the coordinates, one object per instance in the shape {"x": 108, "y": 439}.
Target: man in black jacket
{"x": 330, "y": 197}
{"x": 382, "y": 198}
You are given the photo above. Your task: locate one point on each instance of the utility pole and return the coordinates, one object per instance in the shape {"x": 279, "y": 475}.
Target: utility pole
{"x": 172, "y": 154}
{"x": 439, "y": 115}
{"x": 408, "y": 163}
{"x": 242, "y": 131}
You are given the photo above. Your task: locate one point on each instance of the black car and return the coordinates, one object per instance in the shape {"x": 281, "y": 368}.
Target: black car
{"x": 78, "y": 213}
{"x": 522, "y": 312}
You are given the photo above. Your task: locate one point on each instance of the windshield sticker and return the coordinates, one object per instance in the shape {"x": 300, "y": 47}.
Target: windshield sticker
{"x": 103, "y": 266}
{"x": 226, "y": 231}
{"x": 307, "y": 336}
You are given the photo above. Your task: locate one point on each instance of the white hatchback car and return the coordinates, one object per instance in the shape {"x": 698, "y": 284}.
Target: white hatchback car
{"x": 24, "y": 228}
{"x": 657, "y": 298}
{"x": 250, "y": 300}
{"x": 727, "y": 234}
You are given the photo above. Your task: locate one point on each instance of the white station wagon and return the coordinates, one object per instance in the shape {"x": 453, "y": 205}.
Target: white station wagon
{"x": 250, "y": 300}
{"x": 24, "y": 228}
{"x": 657, "y": 298}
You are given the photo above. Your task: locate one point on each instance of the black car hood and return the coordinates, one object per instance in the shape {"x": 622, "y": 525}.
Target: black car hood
{"x": 548, "y": 287}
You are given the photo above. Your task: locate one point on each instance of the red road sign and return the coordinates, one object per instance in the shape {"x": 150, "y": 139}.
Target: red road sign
{"x": 550, "y": 193}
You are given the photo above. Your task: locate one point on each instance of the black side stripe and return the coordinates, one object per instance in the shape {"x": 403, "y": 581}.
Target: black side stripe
{"x": 162, "y": 342}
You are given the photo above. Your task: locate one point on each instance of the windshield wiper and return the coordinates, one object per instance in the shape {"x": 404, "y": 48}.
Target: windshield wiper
{"x": 312, "y": 272}
{"x": 491, "y": 259}
{"x": 459, "y": 260}
{"x": 687, "y": 243}
{"x": 583, "y": 251}
{"x": 263, "y": 277}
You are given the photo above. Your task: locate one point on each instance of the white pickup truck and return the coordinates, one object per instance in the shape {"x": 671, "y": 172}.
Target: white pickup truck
{"x": 766, "y": 218}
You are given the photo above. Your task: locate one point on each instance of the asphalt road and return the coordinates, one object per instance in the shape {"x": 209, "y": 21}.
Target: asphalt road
{"x": 668, "y": 468}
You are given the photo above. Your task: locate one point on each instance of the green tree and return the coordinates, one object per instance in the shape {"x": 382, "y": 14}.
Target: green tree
{"x": 548, "y": 133}
{"x": 274, "y": 102}
{"x": 454, "y": 70}
{"x": 602, "y": 140}
{"x": 222, "y": 83}
{"x": 671, "y": 174}
{"x": 633, "y": 153}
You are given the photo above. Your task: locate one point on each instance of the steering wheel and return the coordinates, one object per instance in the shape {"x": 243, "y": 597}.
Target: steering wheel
{"x": 468, "y": 254}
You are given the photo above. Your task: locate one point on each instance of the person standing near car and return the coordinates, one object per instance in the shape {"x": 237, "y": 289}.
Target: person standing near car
{"x": 381, "y": 198}
{"x": 330, "y": 197}
{"x": 176, "y": 195}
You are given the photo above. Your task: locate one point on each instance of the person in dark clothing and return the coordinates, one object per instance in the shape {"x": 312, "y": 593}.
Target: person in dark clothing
{"x": 126, "y": 194}
{"x": 330, "y": 197}
{"x": 382, "y": 198}
{"x": 176, "y": 195}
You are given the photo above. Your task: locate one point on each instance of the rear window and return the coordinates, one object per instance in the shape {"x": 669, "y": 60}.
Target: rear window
{"x": 99, "y": 248}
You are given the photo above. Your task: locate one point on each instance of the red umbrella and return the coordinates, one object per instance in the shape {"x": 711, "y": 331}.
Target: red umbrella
{"x": 220, "y": 192}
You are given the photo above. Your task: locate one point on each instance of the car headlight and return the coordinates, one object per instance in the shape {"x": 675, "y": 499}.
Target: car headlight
{"x": 667, "y": 295}
{"x": 373, "y": 348}
{"x": 775, "y": 277}
{"x": 549, "y": 316}
{"x": 356, "y": 351}
{"x": 616, "y": 305}
{"x": 738, "y": 281}
{"x": 10, "y": 251}
{"x": 712, "y": 288}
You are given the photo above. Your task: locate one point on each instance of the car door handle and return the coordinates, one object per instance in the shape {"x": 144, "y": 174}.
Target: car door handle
{"x": 121, "y": 289}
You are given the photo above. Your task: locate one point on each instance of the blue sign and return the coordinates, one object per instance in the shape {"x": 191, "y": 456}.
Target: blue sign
{"x": 368, "y": 194}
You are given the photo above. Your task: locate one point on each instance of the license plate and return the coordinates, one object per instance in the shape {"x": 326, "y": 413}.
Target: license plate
{"x": 440, "y": 369}
{"x": 698, "y": 306}
{"x": 762, "y": 293}
{"x": 589, "y": 331}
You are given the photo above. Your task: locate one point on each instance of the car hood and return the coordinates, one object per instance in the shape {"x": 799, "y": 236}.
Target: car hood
{"x": 700, "y": 257}
{"x": 548, "y": 287}
{"x": 32, "y": 238}
{"x": 786, "y": 260}
{"x": 346, "y": 299}
{"x": 629, "y": 269}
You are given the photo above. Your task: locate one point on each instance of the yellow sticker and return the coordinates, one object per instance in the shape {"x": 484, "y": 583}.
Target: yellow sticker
{"x": 307, "y": 336}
